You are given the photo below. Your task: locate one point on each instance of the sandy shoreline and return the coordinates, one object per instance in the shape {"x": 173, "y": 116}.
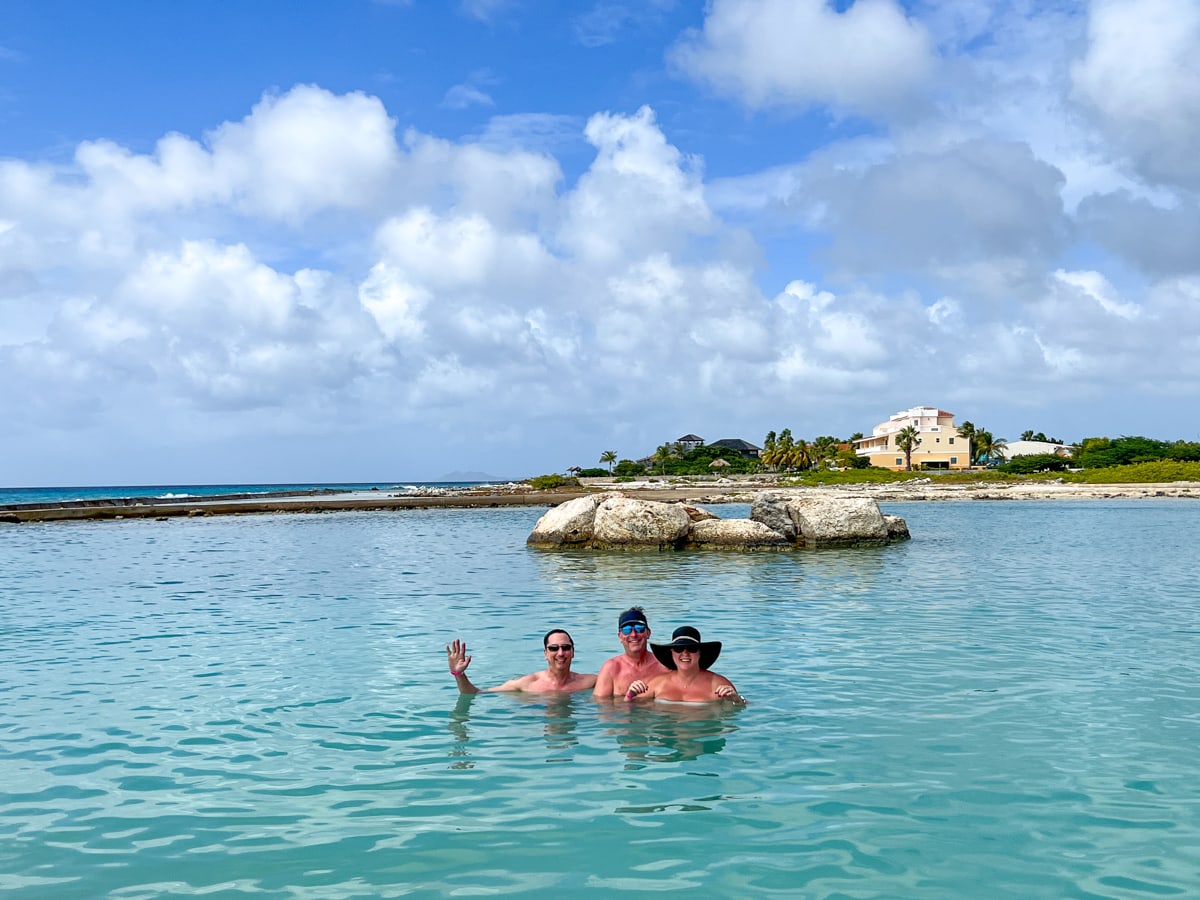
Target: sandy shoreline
{"x": 917, "y": 489}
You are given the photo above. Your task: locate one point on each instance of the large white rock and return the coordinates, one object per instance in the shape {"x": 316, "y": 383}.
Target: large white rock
{"x": 736, "y": 534}
{"x": 772, "y": 510}
{"x": 568, "y": 523}
{"x": 827, "y": 521}
{"x": 627, "y": 523}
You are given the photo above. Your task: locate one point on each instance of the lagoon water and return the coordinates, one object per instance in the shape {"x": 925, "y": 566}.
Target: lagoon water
{"x": 1006, "y": 706}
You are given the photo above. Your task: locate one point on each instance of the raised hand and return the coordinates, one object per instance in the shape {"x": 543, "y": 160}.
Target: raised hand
{"x": 457, "y": 657}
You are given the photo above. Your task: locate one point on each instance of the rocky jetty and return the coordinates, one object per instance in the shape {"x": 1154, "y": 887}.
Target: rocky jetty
{"x": 613, "y": 521}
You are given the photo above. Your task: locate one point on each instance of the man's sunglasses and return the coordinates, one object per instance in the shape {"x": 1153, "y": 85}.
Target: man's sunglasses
{"x": 554, "y": 648}
{"x": 639, "y": 627}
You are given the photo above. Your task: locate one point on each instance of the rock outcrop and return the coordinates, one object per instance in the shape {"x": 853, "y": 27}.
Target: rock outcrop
{"x": 568, "y": 523}
{"x": 621, "y": 522}
{"x": 824, "y": 521}
{"x": 614, "y": 521}
{"x": 735, "y": 534}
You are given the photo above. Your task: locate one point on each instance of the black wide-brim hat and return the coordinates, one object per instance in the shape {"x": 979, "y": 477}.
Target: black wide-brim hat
{"x": 687, "y": 636}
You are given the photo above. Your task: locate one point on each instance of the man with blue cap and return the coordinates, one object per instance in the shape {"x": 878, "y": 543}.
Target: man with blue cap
{"x": 636, "y": 663}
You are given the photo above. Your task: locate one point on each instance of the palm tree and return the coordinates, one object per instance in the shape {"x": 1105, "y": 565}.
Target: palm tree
{"x": 967, "y": 430}
{"x": 907, "y": 440}
{"x": 989, "y": 447}
{"x": 784, "y": 447}
{"x": 824, "y": 448}
{"x": 661, "y": 454}
{"x": 768, "y": 452}
{"x": 610, "y": 457}
{"x": 999, "y": 445}
{"x": 801, "y": 456}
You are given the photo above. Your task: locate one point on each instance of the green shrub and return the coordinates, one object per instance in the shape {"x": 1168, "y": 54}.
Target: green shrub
{"x": 1101, "y": 452}
{"x": 628, "y": 467}
{"x": 1160, "y": 472}
{"x": 549, "y": 482}
{"x": 593, "y": 473}
{"x": 1037, "y": 462}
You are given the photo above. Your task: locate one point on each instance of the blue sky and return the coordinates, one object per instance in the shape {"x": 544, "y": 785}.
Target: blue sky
{"x": 310, "y": 241}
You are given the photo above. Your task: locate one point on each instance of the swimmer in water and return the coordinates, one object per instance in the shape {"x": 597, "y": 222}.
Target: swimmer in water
{"x": 689, "y": 681}
{"x": 618, "y": 673}
{"x": 559, "y": 650}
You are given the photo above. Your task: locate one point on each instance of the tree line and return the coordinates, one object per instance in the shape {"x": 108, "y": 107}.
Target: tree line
{"x": 783, "y": 452}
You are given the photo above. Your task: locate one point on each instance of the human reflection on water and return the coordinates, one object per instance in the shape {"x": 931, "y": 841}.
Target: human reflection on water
{"x": 559, "y": 729}
{"x": 645, "y": 733}
{"x": 668, "y": 732}
{"x": 459, "y": 716}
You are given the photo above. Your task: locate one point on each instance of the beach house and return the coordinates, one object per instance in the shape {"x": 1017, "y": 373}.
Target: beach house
{"x": 940, "y": 447}
{"x": 737, "y": 445}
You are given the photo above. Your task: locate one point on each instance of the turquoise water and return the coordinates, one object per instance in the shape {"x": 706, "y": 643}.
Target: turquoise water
{"x": 50, "y": 495}
{"x": 1006, "y": 706}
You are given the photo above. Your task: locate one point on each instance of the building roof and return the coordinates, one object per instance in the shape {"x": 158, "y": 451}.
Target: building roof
{"x": 689, "y": 439}
{"x": 736, "y": 444}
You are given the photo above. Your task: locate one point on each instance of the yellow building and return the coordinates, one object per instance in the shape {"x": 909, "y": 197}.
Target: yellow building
{"x": 941, "y": 446}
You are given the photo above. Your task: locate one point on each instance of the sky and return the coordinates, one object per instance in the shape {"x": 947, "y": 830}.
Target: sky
{"x": 300, "y": 241}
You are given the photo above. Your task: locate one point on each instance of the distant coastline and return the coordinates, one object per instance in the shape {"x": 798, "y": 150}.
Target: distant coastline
{"x": 721, "y": 491}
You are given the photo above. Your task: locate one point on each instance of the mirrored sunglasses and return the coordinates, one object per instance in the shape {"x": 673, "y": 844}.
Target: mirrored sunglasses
{"x": 639, "y": 627}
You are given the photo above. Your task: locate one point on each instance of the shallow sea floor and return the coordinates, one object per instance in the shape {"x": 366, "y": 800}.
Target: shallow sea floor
{"x": 1006, "y": 706}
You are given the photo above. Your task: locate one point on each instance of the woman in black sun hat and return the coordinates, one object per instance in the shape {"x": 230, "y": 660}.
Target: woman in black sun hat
{"x": 689, "y": 681}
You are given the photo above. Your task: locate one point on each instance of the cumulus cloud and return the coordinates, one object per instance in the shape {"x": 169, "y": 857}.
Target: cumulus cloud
{"x": 1159, "y": 240}
{"x": 977, "y": 206}
{"x": 478, "y": 290}
{"x": 640, "y": 194}
{"x": 1141, "y": 76}
{"x": 869, "y": 59}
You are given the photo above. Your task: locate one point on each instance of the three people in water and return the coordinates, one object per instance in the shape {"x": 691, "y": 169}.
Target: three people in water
{"x": 678, "y": 671}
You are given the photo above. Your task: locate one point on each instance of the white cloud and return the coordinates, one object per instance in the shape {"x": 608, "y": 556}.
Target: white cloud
{"x": 307, "y": 150}
{"x": 463, "y": 95}
{"x": 607, "y": 21}
{"x": 799, "y": 53}
{"x": 973, "y": 204}
{"x": 507, "y": 186}
{"x": 303, "y": 272}
{"x": 531, "y": 132}
{"x": 637, "y": 198}
{"x": 1141, "y": 74}
{"x": 1095, "y": 287}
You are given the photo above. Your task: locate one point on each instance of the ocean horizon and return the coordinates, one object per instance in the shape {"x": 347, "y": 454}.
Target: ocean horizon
{"x": 50, "y": 495}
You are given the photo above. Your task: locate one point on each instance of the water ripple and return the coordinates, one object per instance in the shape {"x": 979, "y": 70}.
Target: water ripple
{"x": 259, "y": 707}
